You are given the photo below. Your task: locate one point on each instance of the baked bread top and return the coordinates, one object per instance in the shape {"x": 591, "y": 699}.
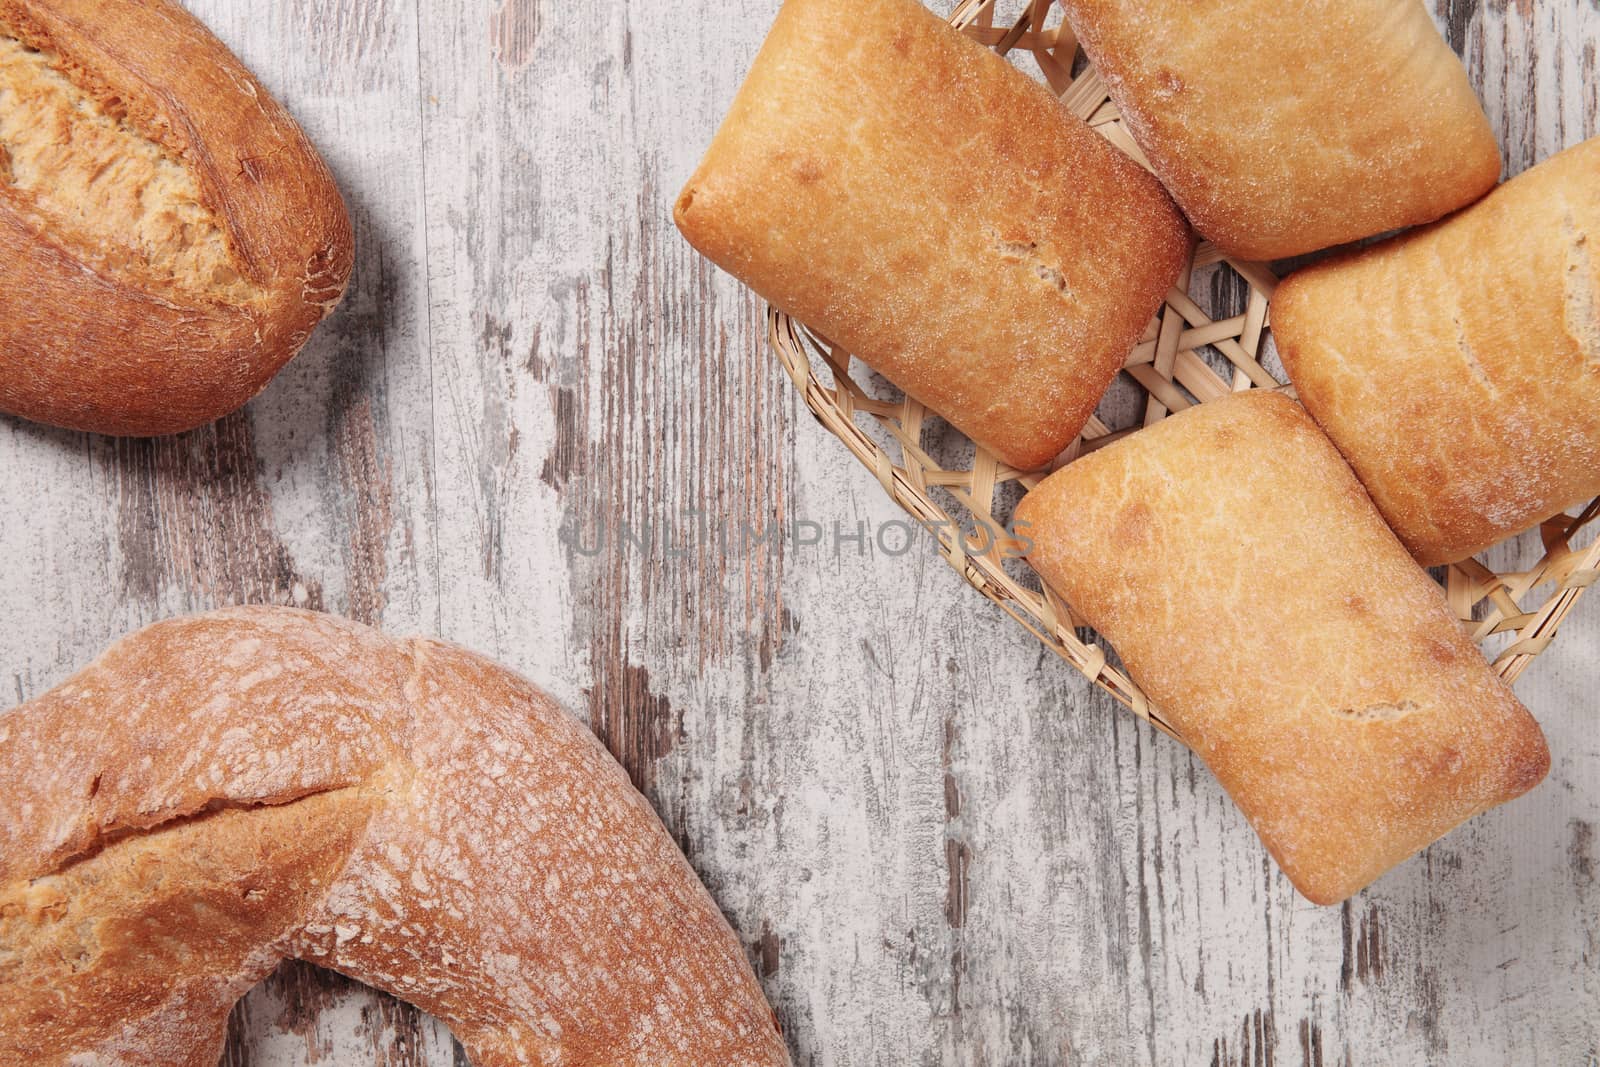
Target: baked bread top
{"x": 1285, "y": 128}
{"x": 1235, "y": 564}
{"x": 905, "y": 191}
{"x": 220, "y": 792}
{"x": 1457, "y": 367}
{"x": 168, "y": 236}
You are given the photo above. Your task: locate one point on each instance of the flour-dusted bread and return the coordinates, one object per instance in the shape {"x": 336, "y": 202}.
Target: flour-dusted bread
{"x": 1284, "y": 128}
{"x": 920, "y": 202}
{"x": 1458, "y": 367}
{"x": 1235, "y": 564}
{"x": 217, "y": 793}
{"x": 168, "y": 237}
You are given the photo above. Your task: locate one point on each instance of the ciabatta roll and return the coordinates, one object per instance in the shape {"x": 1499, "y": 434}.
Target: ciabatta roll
{"x": 1458, "y": 367}
{"x": 1284, "y": 128}
{"x": 912, "y": 196}
{"x": 1254, "y": 593}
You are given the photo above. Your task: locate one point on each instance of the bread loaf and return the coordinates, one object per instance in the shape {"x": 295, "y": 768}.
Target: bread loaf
{"x": 168, "y": 237}
{"x": 217, "y": 793}
{"x": 1458, "y": 367}
{"x": 1233, "y": 561}
{"x": 1284, "y": 128}
{"x": 909, "y": 194}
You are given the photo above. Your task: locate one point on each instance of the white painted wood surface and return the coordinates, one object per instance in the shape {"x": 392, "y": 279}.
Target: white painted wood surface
{"x": 939, "y": 844}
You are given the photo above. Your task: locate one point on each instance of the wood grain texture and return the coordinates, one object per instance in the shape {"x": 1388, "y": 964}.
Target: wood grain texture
{"x": 938, "y": 843}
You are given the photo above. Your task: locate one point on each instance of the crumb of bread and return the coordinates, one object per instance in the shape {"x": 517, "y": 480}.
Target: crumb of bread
{"x": 124, "y": 201}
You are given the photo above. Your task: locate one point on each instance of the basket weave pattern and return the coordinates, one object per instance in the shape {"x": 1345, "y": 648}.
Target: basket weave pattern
{"x": 1185, "y": 357}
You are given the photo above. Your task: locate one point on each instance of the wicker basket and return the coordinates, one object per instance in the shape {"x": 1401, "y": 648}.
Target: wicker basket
{"x": 962, "y": 495}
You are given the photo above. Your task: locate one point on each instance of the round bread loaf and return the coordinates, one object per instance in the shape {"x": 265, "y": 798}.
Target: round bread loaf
{"x": 168, "y": 236}
{"x": 221, "y": 792}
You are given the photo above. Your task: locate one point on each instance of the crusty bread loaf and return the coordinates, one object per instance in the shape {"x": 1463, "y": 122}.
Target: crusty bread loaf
{"x": 168, "y": 237}
{"x": 220, "y": 792}
{"x": 1233, "y": 561}
{"x": 1458, "y": 367}
{"x": 909, "y": 194}
{"x": 1284, "y": 128}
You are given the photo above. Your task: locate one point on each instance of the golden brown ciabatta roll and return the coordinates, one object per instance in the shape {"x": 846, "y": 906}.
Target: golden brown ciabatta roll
{"x": 1252, "y": 591}
{"x": 1458, "y": 367}
{"x": 909, "y": 194}
{"x": 217, "y": 793}
{"x": 1284, "y": 128}
{"x": 168, "y": 237}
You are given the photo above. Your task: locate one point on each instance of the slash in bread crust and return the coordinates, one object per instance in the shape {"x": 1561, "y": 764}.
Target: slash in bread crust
{"x": 168, "y": 236}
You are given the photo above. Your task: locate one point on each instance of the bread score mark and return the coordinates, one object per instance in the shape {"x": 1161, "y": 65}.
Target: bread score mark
{"x": 1027, "y": 253}
{"x": 1582, "y": 321}
{"x": 211, "y": 890}
{"x": 74, "y": 163}
{"x": 1381, "y": 712}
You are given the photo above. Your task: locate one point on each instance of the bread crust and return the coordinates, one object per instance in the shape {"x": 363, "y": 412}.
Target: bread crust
{"x": 220, "y": 792}
{"x": 1285, "y": 128}
{"x": 90, "y": 337}
{"x": 1458, "y": 367}
{"x": 1239, "y": 570}
{"x": 908, "y": 193}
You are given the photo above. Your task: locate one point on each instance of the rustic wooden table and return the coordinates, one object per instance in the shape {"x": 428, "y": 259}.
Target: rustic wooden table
{"x": 938, "y": 843}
